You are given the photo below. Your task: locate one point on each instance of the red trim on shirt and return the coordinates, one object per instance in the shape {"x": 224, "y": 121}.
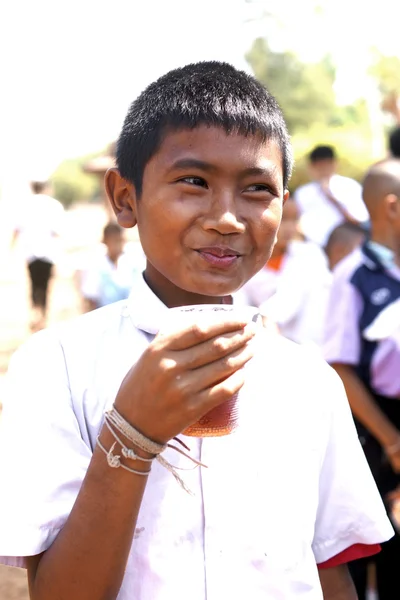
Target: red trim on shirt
{"x": 352, "y": 553}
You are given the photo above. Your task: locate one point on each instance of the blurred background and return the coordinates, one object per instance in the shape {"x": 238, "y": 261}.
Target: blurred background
{"x": 69, "y": 71}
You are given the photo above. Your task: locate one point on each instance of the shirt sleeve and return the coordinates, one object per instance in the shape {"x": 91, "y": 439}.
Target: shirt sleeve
{"x": 354, "y": 203}
{"x": 342, "y": 335}
{"x": 353, "y": 553}
{"x": 350, "y": 510}
{"x": 91, "y": 283}
{"x": 43, "y": 456}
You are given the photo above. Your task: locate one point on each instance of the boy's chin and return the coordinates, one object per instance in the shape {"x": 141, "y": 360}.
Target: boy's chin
{"x": 214, "y": 291}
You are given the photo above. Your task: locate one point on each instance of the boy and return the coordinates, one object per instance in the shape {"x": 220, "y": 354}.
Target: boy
{"x": 365, "y": 283}
{"x": 329, "y": 199}
{"x": 343, "y": 240}
{"x": 111, "y": 275}
{"x": 203, "y": 163}
{"x": 294, "y": 265}
{"x": 38, "y": 227}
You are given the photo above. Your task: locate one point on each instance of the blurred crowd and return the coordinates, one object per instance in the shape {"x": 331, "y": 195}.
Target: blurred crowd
{"x": 332, "y": 283}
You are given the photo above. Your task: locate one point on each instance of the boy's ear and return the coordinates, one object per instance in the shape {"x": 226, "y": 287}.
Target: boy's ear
{"x": 392, "y": 206}
{"x": 122, "y": 197}
{"x": 286, "y": 196}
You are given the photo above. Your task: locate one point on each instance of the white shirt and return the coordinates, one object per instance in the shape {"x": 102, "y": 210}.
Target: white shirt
{"x": 295, "y": 297}
{"x": 39, "y": 223}
{"x": 290, "y": 488}
{"x": 319, "y": 216}
{"x": 104, "y": 282}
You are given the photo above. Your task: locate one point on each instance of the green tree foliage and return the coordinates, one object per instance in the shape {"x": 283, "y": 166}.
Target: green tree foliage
{"x": 71, "y": 184}
{"x": 386, "y": 71}
{"x": 305, "y": 91}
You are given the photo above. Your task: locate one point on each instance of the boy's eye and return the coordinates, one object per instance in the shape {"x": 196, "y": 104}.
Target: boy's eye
{"x": 199, "y": 181}
{"x": 259, "y": 187}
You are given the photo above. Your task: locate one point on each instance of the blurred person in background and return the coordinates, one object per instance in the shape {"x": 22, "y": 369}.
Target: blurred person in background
{"x": 110, "y": 275}
{"x": 291, "y": 289}
{"x": 365, "y": 284}
{"x": 343, "y": 240}
{"x": 38, "y": 226}
{"x": 394, "y": 143}
{"x": 329, "y": 199}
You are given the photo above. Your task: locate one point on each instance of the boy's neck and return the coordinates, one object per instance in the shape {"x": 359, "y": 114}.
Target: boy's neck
{"x": 173, "y": 297}
{"x": 113, "y": 258}
{"x": 386, "y": 239}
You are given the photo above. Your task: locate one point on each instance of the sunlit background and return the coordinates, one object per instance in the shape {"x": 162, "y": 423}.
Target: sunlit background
{"x": 70, "y": 69}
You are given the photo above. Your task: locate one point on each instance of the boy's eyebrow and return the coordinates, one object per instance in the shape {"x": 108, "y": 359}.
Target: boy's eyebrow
{"x": 194, "y": 163}
{"x": 268, "y": 172}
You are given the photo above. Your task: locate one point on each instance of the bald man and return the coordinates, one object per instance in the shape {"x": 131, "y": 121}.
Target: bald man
{"x": 365, "y": 284}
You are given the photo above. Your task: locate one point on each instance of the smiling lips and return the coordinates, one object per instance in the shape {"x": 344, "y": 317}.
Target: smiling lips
{"x": 219, "y": 256}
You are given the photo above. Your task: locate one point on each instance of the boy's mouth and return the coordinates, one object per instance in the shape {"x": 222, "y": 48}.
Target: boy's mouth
{"x": 219, "y": 256}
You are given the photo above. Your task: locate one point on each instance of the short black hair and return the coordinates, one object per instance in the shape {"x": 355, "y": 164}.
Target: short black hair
{"x": 394, "y": 143}
{"x": 112, "y": 228}
{"x": 345, "y": 234}
{"x": 205, "y": 93}
{"x": 322, "y": 153}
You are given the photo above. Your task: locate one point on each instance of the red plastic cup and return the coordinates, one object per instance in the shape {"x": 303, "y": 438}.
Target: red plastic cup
{"x": 224, "y": 418}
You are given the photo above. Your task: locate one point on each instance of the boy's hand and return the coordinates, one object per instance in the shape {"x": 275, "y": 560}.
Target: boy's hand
{"x": 183, "y": 375}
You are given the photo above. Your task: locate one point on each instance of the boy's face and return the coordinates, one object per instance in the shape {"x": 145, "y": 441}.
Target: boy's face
{"x": 339, "y": 251}
{"x": 115, "y": 245}
{"x": 208, "y": 214}
{"x": 322, "y": 169}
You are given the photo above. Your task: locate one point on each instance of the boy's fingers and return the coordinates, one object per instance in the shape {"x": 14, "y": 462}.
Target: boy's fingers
{"x": 220, "y": 370}
{"x": 220, "y": 392}
{"x": 216, "y": 348}
{"x": 199, "y": 333}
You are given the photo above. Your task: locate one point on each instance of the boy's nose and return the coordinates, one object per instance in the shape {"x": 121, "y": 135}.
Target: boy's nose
{"x": 222, "y": 215}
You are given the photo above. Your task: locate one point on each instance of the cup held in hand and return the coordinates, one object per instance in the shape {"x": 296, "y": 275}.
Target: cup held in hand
{"x": 223, "y": 419}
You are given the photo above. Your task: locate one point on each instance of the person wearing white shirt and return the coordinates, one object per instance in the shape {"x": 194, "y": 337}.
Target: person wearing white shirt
{"x": 111, "y": 273}
{"x": 38, "y": 227}
{"x": 292, "y": 289}
{"x": 329, "y": 199}
{"x": 203, "y": 163}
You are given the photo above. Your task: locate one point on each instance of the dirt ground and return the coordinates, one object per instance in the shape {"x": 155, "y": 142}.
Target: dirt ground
{"x": 13, "y": 584}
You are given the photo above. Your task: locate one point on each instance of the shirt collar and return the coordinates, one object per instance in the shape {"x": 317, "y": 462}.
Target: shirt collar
{"x": 385, "y": 256}
{"x": 146, "y": 310}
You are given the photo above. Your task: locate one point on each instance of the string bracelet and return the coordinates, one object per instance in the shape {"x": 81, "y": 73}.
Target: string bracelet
{"x": 118, "y": 422}
{"x": 114, "y": 460}
{"x": 126, "y": 452}
{"x": 132, "y": 434}
{"x": 142, "y": 441}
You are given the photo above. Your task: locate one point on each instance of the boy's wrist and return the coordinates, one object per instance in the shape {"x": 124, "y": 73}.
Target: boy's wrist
{"x": 107, "y": 439}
